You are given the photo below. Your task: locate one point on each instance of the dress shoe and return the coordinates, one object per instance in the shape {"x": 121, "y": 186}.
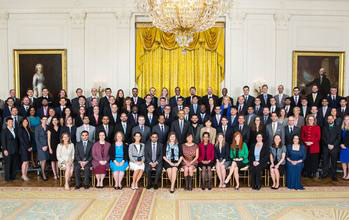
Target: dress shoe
{"x": 77, "y": 187}
{"x": 334, "y": 178}
{"x": 149, "y": 186}
{"x": 86, "y": 186}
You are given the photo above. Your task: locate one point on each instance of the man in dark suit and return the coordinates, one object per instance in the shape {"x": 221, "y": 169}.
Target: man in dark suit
{"x": 250, "y": 116}
{"x": 343, "y": 110}
{"x": 324, "y": 110}
{"x": 265, "y": 97}
{"x": 161, "y": 129}
{"x": 136, "y": 99}
{"x": 330, "y": 139}
{"x": 154, "y": 99}
{"x": 273, "y": 106}
{"x": 133, "y": 116}
{"x": 150, "y": 118}
{"x": 195, "y": 129}
{"x": 160, "y": 110}
{"x": 43, "y": 109}
{"x": 62, "y": 105}
{"x": 288, "y": 106}
{"x": 272, "y": 129}
{"x": 71, "y": 129}
{"x": 153, "y": 160}
{"x": 180, "y": 127}
{"x": 242, "y": 108}
{"x": 83, "y": 160}
{"x": 9, "y": 142}
{"x": 33, "y": 100}
{"x": 168, "y": 116}
{"x": 315, "y": 111}
{"x": 125, "y": 127}
{"x": 194, "y": 107}
{"x": 17, "y": 119}
{"x": 12, "y": 94}
{"x": 258, "y": 108}
{"x": 226, "y": 130}
{"x": 204, "y": 99}
{"x": 113, "y": 115}
{"x": 107, "y": 128}
{"x": 24, "y": 108}
{"x": 266, "y": 116}
{"x": 189, "y": 100}
{"x": 105, "y": 100}
{"x": 296, "y": 99}
{"x": 45, "y": 95}
{"x": 304, "y": 107}
{"x": 233, "y": 118}
{"x": 203, "y": 115}
{"x": 142, "y": 128}
{"x": 147, "y": 102}
{"x": 243, "y": 128}
{"x": 321, "y": 82}
{"x": 107, "y": 108}
{"x": 291, "y": 130}
{"x": 75, "y": 101}
{"x": 314, "y": 98}
{"x": 216, "y": 119}
{"x": 225, "y": 94}
{"x": 249, "y": 100}
{"x": 178, "y": 107}
{"x": 333, "y": 98}
{"x": 174, "y": 99}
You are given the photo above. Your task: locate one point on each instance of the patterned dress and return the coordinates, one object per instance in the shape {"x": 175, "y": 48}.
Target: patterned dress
{"x": 189, "y": 153}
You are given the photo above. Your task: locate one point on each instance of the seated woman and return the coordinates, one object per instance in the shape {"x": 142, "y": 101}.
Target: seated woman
{"x": 65, "y": 156}
{"x": 258, "y": 158}
{"x": 136, "y": 155}
{"x": 190, "y": 160}
{"x": 277, "y": 161}
{"x": 221, "y": 152}
{"x": 206, "y": 160}
{"x": 100, "y": 155}
{"x": 296, "y": 155}
{"x": 239, "y": 157}
{"x": 172, "y": 159}
{"x": 118, "y": 154}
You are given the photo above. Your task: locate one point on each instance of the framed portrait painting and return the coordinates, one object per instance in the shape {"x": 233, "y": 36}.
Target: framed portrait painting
{"x": 308, "y": 64}
{"x": 38, "y": 69}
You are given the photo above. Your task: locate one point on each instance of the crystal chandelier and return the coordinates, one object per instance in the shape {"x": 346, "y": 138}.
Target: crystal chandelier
{"x": 185, "y": 17}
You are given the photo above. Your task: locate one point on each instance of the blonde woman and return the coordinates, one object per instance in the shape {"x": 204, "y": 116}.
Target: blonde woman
{"x": 344, "y": 153}
{"x": 65, "y": 157}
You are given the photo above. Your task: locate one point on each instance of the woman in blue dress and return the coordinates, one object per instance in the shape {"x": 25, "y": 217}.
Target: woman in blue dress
{"x": 344, "y": 153}
{"x": 296, "y": 155}
{"x": 118, "y": 159}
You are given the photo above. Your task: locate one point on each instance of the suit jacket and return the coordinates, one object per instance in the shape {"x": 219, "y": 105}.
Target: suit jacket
{"x": 127, "y": 134}
{"x": 194, "y": 111}
{"x": 80, "y": 155}
{"x": 293, "y": 101}
{"x": 305, "y": 111}
{"x": 274, "y": 109}
{"x": 59, "y": 111}
{"x": 324, "y": 86}
{"x": 89, "y": 100}
{"x": 243, "y": 110}
{"x": 327, "y": 113}
{"x": 6, "y": 111}
{"x": 134, "y": 155}
{"x": 148, "y": 152}
{"x": 180, "y": 135}
{"x": 71, "y": 132}
{"x": 173, "y": 101}
{"x": 110, "y": 133}
{"x": 331, "y": 136}
{"x": 259, "y": 111}
{"x": 228, "y": 134}
{"x": 132, "y": 120}
{"x": 93, "y": 120}
{"x": 103, "y": 102}
{"x": 245, "y": 133}
{"x": 342, "y": 114}
{"x": 153, "y": 121}
{"x": 204, "y": 99}
{"x": 139, "y": 103}
{"x": 40, "y": 136}
{"x": 280, "y": 130}
{"x": 175, "y": 110}
{"x": 263, "y": 156}
{"x": 162, "y": 135}
{"x": 311, "y": 134}
{"x": 334, "y": 103}
{"x": 25, "y": 140}
{"x": 209, "y": 153}
{"x": 91, "y": 133}
{"x": 249, "y": 101}
{"x": 23, "y": 112}
{"x": 187, "y": 101}
{"x": 216, "y": 123}
{"x": 9, "y": 142}
{"x": 289, "y": 136}
{"x": 267, "y": 121}
{"x": 16, "y": 124}
{"x": 145, "y": 134}
{"x": 263, "y": 103}
{"x": 249, "y": 118}
{"x": 113, "y": 121}
{"x": 203, "y": 117}
{"x": 97, "y": 154}
{"x": 40, "y": 112}
{"x": 196, "y": 133}
{"x": 282, "y": 103}
{"x": 317, "y": 100}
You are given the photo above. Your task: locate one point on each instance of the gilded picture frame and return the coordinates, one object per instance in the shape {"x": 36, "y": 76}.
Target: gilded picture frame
{"x": 306, "y": 66}
{"x": 40, "y": 68}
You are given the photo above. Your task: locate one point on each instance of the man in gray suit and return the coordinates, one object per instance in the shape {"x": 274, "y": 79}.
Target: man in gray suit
{"x": 93, "y": 96}
{"x": 250, "y": 116}
{"x": 86, "y": 127}
{"x": 273, "y": 129}
{"x": 142, "y": 128}
{"x": 83, "y": 160}
{"x": 161, "y": 129}
{"x": 280, "y": 97}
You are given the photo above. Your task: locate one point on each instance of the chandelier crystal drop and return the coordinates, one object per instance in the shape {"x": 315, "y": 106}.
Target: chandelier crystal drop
{"x": 185, "y": 17}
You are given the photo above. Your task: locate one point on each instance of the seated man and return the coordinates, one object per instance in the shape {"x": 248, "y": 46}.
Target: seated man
{"x": 83, "y": 160}
{"x": 153, "y": 160}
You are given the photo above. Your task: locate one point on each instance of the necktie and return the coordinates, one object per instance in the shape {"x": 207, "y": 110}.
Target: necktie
{"x": 273, "y": 127}
{"x": 85, "y": 146}
{"x": 150, "y": 118}
{"x": 195, "y": 107}
{"x": 240, "y": 108}
{"x": 12, "y": 130}
{"x": 153, "y": 156}
{"x": 162, "y": 128}
{"x": 291, "y": 130}
{"x": 15, "y": 121}
{"x": 265, "y": 98}
{"x": 124, "y": 127}
{"x": 265, "y": 119}
{"x": 257, "y": 108}
{"x": 142, "y": 128}
{"x": 296, "y": 100}
{"x": 240, "y": 127}
{"x": 106, "y": 129}
{"x": 224, "y": 130}
{"x": 181, "y": 125}
{"x": 343, "y": 110}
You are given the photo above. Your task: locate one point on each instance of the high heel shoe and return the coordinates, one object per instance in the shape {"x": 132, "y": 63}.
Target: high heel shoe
{"x": 237, "y": 188}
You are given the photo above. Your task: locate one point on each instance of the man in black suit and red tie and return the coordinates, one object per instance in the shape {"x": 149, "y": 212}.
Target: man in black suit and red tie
{"x": 204, "y": 99}
{"x": 265, "y": 97}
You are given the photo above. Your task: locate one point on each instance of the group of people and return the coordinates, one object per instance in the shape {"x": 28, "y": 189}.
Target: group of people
{"x": 280, "y": 134}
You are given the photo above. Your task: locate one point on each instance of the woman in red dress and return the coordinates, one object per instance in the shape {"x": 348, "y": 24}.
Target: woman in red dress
{"x": 311, "y": 137}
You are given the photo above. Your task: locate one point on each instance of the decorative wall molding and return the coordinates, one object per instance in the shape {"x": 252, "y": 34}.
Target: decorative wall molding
{"x": 123, "y": 18}
{"x": 237, "y": 19}
{"x": 282, "y": 21}
{"x": 78, "y": 19}
{"x": 4, "y": 20}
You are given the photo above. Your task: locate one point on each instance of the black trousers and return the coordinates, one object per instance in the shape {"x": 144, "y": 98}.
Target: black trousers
{"x": 329, "y": 161}
{"x": 77, "y": 173}
{"x": 256, "y": 174}
{"x": 10, "y": 166}
{"x": 311, "y": 163}
{"x": 148, "y": 170}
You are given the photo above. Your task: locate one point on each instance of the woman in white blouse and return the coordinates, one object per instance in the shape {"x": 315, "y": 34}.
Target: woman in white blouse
{"x": 65, "y": 157}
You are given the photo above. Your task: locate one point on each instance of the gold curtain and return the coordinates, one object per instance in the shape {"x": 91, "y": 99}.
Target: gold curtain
{"x": 160, "y": 62}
